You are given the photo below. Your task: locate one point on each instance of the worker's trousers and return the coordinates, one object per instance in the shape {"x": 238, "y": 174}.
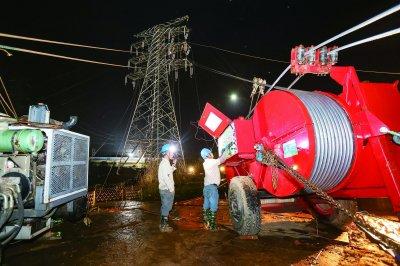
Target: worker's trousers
{"x": 167, "y": 200}
{"x": 210, "y": 193}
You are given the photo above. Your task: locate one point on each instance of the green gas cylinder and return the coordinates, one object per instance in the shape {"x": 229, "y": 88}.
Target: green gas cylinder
{"x": 22, "y": 140}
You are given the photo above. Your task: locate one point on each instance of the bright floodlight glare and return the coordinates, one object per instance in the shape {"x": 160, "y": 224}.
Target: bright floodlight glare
{"x": 191, "y": 169}
{"x": 233, "y": 97}
{"x": 172, "y": 148}
{"x": 130, "y": 154}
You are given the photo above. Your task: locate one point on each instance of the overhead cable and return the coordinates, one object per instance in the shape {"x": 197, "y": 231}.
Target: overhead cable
{"x": 76, "y": 84}
{"x": 386, "y": 13}
{"x": 222, "y": 73}
{"x": 118, "y": 124}
{"x": 60, "y": 56}
{"x": 369, "y": 39}
{"x": 278, "y": 79}
{"x": 232, "y": 52}
{"x": 4, "y": 105}
{"x": 357, "y": 27}
{"x": 287, "y": 62}
{"x": 366, "y": 40}
{"x": 19, "y": 37}
{"x": 231, "y": 76}
{"x": 294, "y": 82}
{"x": 378, "y": 72}
{"x": 12, "y": 109}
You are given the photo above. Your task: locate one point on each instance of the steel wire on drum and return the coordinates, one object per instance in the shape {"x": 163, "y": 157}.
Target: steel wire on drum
{"x": 334, "y": 143}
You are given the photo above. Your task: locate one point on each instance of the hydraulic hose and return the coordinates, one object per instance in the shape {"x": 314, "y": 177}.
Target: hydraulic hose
{"x": 5, "y": 215}
{"x": 8, "y": 236}
{"x": 8, "y": 209}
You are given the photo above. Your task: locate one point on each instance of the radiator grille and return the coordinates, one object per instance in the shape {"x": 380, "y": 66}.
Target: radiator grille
{"x": 68, "y": 159}
{"x": 81, "y": 151}
{"x": 79, "y": 176}
{"x": 60, "y": 176}
{"x": 62, "y": 148}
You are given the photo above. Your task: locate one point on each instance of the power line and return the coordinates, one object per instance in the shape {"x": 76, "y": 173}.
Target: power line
{"x": 222, "y": 73}
{"x": 237, "y": 53}
{"x": 378, "y": 72}
{"x": 195, "y": 124}
{"x": 373, "y": 38}
{"x": 352, "y": 29}
{"x": 279, "y": 78}
{"x": 19, "y": 37}
{"x": 294, "y": 82}
{"x": 127, "y": 51}
{"x": 118, "y": 124}
{"x": 386, "y": 13}
{"x": 90, "y": 128}
{"x": 60, "y": 56}
{"x": 179, "y": 105}
{"x": 198, "y": 104}
{"x": 231, "y": 75}
{"x": 369, "y": 39}
{"x": 97, "y": 133}
{"x": 12, "y": 109}
{"x": 195, "y": 84}
{"x": 77, "y": 84}
{"x": 59, "y": 76}
{"x": 287, "y": 62}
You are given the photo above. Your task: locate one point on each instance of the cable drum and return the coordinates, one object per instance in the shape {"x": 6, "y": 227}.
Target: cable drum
{"x": 334, "y": 142}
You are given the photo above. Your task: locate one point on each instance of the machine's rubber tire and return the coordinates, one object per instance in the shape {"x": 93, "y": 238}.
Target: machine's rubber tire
{"x": 336, "y": 218}
{"x": 244, "y": 206}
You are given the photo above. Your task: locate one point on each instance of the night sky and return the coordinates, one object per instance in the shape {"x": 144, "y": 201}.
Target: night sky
{"x": 97, "y": 94}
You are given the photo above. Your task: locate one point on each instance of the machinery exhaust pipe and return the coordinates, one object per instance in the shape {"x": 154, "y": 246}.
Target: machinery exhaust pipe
{"x": 73, "y": 119}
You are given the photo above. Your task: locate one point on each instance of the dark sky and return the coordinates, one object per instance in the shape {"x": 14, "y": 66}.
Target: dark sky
{"x": 98, "y": 95}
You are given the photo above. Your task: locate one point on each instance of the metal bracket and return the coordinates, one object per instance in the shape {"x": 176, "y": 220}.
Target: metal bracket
{"x": 396, "y": 135}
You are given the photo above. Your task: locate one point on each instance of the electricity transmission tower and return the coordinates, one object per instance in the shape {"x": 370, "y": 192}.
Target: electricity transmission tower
{"x": 159, "y": 51}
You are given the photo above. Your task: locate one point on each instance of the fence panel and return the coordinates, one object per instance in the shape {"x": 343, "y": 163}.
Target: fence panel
{"x": 114, "y": 193}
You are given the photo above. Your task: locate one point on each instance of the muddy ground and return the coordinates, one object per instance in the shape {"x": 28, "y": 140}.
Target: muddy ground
{"x": 126, "y": 233}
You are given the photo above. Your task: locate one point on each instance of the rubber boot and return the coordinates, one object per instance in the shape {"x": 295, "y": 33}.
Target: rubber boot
{"x": 208, "y": 214}
{"x": 213, "y": 221}
{"x": 206, "y": 221}
{"x": 164, "y": 226}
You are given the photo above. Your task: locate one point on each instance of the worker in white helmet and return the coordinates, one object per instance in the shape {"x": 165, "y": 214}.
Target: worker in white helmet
{"x": 212, "y": 179}
{"x": 166, "y": 184}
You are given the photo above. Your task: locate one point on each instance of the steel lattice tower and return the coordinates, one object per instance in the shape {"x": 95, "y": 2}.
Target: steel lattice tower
{"x": 159, "y": 51}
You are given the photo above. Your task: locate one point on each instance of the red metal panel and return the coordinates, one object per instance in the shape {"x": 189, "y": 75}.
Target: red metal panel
{"x": 279, "y": 118}
{"x": 244, "y": 137}
{"x": 213, "y": 121}
{"x": 376, "y": 171}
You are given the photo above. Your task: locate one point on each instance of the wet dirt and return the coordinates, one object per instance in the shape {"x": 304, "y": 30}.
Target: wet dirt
{"x": 126, "y": 233}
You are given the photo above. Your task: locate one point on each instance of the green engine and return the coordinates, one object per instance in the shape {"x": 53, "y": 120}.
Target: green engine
{"x": 23, "y": 141}
{"x": 43, "y": 171}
